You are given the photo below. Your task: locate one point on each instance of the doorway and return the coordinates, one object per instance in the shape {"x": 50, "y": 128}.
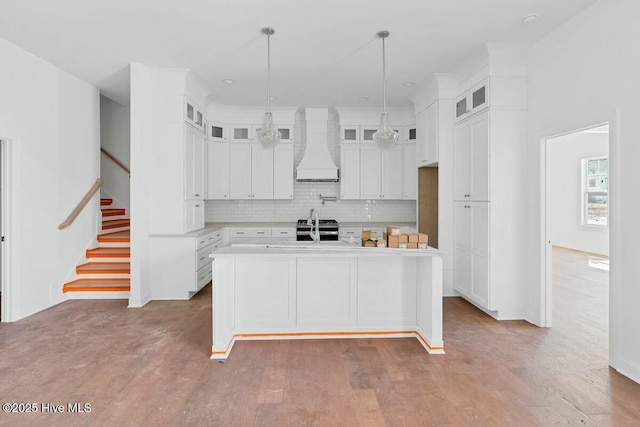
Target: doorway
{"x": 5, "y": 223}
{"x": 577, "y": 218}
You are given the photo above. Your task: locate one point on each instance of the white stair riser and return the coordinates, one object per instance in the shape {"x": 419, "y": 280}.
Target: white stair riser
{"x": 116, "y": 229}
{"x": 103, "y": 276}
{"x": 114, "y": 244}
{"x": 114, "y": 217}
{"x": 97, "y": 295}
{"x": 102, "y": 259}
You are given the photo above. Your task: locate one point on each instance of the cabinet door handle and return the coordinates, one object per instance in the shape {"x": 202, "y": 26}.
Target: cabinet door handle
{"x": 239, "y": 232}
{"x": 197, "y": 206}
{"x": 197, "y": 195}
{"x": 202, "y": 258}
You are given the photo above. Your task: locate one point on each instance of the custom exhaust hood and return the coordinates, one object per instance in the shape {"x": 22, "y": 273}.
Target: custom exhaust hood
{"x": 316, "y": 164}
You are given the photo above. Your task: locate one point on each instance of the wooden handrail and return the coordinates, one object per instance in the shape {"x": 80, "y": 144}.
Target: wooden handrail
{"x": 74, "y": 214}
{"x": 116, "y": 161}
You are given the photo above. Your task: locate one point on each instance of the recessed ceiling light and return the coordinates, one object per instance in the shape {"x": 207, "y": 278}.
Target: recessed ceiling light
{"x": 364, "y": 99}
{"x": 229, "y": 81}
{"x": 530, "y": 19}
{"x": 408, "y": 84}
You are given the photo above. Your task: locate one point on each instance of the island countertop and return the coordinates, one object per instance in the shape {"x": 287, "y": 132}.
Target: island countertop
{"x": 333, "y": 248}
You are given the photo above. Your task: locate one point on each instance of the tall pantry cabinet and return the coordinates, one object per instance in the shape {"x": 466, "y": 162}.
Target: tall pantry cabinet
{"x": 489, "y": 183}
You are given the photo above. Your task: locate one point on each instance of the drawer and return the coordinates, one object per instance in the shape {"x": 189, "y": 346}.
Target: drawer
{"x": 235, "y": 232}
{"x": 203, "y": 276}
{"x": 347, "y": 232}
{"x": 208, "y": 239}
{"x": 202, "y": 256}
{"x": 284, "y": 232}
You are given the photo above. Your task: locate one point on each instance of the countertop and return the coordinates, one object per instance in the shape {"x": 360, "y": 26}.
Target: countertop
{"x": 322, "y": 249}
{"x": 210, "y": 227}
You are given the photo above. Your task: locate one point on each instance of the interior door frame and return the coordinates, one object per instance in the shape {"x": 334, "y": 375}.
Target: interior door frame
{"x": 546, "y": 265}
{"x": 7, "y": 140}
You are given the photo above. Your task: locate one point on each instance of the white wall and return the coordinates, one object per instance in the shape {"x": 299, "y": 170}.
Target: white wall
{"x": 52, "y": 121}
{"x": 565, "y": 155}
{"x": 115, "y": 137}
{"x": 586, "y": 72}
{"x": 141, "y": 109}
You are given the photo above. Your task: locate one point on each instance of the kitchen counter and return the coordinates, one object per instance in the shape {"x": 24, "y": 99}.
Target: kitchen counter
{"x": 306, "y": 291}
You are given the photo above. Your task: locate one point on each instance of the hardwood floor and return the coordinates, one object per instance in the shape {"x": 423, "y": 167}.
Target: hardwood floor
{"x": 151, "y": 366}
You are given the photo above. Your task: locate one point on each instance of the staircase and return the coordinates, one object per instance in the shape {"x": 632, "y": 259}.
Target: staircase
{"x": 106, "y": 273}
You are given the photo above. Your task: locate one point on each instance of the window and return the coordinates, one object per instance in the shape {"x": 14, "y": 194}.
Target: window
{"x": 595, "y": 189}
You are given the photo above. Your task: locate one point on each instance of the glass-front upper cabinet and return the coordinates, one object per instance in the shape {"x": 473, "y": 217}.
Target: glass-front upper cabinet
{"x": 217, "y": 132}
{"x": 350, "y": 134}
{"x": 240, "y": 133}
{"x": 193, "y": 114}
{"x": 473, "y": 100}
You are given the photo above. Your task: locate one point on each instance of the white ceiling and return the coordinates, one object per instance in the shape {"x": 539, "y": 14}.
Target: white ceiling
{"x": 324, "y": 52}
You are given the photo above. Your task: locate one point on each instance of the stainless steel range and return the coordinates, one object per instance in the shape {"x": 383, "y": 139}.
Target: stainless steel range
{"x": 328, "y": 229}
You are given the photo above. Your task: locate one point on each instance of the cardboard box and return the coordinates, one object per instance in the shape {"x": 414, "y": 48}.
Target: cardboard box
{"x": 422, "y": 245}
{"x": 370, "y": 243}
{"x": 393, "y": 239}
{"x": 412, "y": 245}
{"x": 391, "y": 244}
{"x": 382, "y": 243}
{"x": 423, "y": 238}
{"x": 366, "y": 235}
{"x": 404, "y": 238}
{"x": 413, "y": 238}
{"x": 393, "y": 231}
{"x": 402, "y": 245}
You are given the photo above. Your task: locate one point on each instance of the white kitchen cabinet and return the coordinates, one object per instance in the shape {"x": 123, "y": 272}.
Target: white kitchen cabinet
{"x": 349, "y": 171}
{"x": 217, "y": 170}
{"x": 195, "y": 157}
{"x": 240, "y": 171}
{"x": 381, "y": 172}
{"x": 350, "y": 134}
{"x": 366, "y": 134}
{"x": 180, "y": 264}
{"x": 193, "y": 215}
{"x": 193, "y": 114}
{"x": 428, "y": 135}
{"x": 392, "y": 172}
{"x": 472, "y": 277}
{"x": 490, "y": 210}
{"x": 240, "y": 133}
{"x": 410, "y": 172}
{"x": 471, "y": 161}
{"x": 410, "y": 134}
{"x": 347, "y": 232}
{"x": 261, "y": 172}
{"x": 370, "y": 172}
{"x": 283, "y": 172}
{"x": 472, "y": 101}
{"x": 217, "y": 132}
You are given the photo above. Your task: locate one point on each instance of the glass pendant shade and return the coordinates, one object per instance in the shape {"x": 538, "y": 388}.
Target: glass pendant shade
{"x": 268, "y": 135}
{"x": 385, "y": 136}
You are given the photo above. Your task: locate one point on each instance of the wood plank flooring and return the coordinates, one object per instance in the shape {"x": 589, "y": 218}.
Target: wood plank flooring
{"x": 151, "y": 367}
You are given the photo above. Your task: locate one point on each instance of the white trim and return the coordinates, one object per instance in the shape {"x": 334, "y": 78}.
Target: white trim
{"x": 612, "y": 119}
{"x": 9, "y": 270}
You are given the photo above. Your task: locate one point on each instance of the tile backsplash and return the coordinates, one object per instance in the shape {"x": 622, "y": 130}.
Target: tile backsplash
{"x": 307, "y": 195}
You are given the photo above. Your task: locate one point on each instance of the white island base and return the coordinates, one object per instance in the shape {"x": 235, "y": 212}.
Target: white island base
{"x": 263, "y": 293}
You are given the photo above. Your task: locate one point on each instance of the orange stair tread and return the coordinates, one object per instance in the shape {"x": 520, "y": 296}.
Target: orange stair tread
{"x": 97, "y": 285}
{"x": 108, "y": 250}
{"x": 104, "y": 268}
{"x": 116, "y": 236}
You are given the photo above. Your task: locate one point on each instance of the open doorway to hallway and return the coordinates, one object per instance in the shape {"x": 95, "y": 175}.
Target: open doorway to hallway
{"x": 577, "y": 232}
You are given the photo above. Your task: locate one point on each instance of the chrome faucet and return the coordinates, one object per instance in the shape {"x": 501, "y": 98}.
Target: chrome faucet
{"x": 314, "y": 235}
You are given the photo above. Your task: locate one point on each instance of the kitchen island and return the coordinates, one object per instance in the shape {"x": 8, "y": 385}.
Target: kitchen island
{"x": 306, "y": 291}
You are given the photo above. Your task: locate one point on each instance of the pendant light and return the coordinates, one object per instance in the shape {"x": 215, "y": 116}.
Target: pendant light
{"x": 268, "y": 135}
{"x": 384, "y": 136}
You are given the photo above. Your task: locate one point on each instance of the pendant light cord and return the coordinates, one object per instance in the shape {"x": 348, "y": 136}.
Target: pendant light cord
{"x": 384, "y": 79}
{"x": 269, "y": 72}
